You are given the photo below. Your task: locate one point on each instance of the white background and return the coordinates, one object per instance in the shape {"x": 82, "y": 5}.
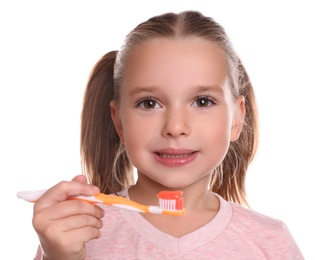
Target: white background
{"x": 48, "y": 48}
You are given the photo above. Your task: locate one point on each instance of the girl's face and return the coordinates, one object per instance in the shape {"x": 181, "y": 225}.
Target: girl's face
{"x": 177, "y": 115}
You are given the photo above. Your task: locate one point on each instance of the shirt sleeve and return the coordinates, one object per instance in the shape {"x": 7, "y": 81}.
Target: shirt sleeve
{"x": 290, "y": 249}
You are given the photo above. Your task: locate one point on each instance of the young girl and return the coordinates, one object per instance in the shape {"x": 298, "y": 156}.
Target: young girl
{"x": 176, "y": 104}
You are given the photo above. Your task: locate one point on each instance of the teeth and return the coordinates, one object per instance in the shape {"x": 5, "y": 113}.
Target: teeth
{"x": 174, "y": 156}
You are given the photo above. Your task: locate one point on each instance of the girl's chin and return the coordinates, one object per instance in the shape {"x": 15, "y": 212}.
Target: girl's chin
{"x": 157, "y": 183}
{"x": 172, "y": 184}
{"x": 173, "y": 179}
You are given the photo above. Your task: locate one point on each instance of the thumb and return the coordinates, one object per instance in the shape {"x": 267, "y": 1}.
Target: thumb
{"x": 80, "y": 178}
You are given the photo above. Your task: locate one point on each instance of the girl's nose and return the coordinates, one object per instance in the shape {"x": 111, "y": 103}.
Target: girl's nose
{"x": 176, "y": 123}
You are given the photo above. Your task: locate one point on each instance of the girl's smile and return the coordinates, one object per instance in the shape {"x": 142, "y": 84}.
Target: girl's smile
{"x": 175, "y": 157}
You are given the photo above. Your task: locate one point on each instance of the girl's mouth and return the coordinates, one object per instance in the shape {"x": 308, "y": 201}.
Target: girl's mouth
{"x": 175, "y": 158}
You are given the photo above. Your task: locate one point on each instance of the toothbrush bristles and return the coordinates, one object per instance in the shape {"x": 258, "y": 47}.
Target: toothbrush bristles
{"x": 171, "y": 200}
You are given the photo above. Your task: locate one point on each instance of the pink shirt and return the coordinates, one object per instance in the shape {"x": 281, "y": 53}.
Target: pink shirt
{"x": 234, "y": 233}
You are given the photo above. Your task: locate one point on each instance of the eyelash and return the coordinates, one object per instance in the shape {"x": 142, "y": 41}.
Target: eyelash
{"x": 207, "y": 98}
{"x": 140, "y": 103}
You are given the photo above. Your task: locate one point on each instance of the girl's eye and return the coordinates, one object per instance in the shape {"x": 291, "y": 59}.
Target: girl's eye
{"x": 203, "y": 102}
{"x": 149, "y": 104}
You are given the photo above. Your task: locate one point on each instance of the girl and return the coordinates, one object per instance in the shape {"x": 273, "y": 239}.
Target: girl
{"x": 176, "y": 104}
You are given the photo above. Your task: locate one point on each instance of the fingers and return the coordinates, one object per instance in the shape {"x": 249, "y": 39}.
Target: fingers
{"x": 86, "y": 233}
{"x": 49, "y": 225}
{"x": 67, "y": 246}
{"x": 63, "y": 190}
{"x": 80, "y": 221}
{"x": 72, "y": 207}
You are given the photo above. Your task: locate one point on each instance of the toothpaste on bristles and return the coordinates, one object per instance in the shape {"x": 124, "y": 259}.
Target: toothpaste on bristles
{"x": 171, "y": 200}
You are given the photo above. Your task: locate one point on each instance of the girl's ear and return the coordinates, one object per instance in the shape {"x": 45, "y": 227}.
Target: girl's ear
{"x": 116, "y": 120}
{"x": 238, "y": 120}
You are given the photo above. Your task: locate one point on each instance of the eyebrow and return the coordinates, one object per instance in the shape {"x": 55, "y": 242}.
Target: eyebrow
{"x": 197, "y": 89}
{"x": 208, "y": 88}
{"x": 148, "y": 89}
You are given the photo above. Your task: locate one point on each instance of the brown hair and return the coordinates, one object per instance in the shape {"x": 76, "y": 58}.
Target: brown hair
{"x": 104, "y": 158}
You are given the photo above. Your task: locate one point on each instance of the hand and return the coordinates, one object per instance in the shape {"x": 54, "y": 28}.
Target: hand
{"x": 64, "y": 226}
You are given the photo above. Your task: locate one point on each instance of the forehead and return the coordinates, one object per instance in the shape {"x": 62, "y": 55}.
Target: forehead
{"x": 163, "y": 61}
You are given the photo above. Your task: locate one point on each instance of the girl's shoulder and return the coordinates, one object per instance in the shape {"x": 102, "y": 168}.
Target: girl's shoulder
{"x": 251, "y": 216}
{"x": 259, "y": 232}
{"x": 246, "y": 219}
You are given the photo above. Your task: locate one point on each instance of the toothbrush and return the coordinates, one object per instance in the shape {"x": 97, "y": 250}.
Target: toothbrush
{"x": 171, "y": 202}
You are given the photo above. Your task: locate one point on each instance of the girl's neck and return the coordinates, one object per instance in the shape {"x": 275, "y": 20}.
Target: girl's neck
{"x": 196, "y": 196}
{"x": 201, "y": 206}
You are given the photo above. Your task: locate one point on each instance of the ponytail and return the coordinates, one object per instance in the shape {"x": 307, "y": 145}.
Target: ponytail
{"x": 103, "y": 159}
